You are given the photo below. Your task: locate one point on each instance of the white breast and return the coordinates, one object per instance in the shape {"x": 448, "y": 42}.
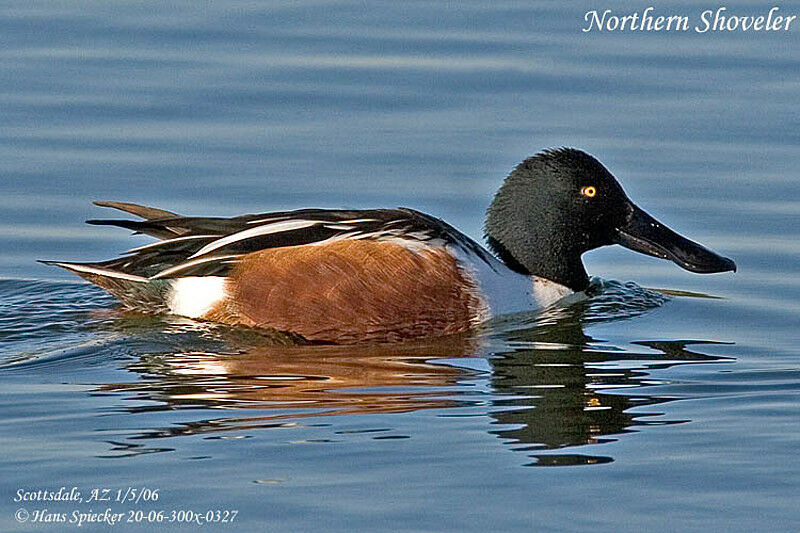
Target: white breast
{"x": 506, "y": 291}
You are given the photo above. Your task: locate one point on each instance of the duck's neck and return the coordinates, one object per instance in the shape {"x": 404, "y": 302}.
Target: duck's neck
{"x": 560, "y": 265}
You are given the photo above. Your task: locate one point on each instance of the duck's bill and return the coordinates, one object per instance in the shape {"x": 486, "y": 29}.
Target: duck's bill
{"x": 644, "y": 234}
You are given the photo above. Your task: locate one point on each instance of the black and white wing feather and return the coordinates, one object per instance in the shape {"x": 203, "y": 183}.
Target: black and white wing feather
{"x": 210, "y": 246}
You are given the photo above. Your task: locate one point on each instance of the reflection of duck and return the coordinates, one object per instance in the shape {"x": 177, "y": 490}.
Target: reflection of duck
{"x": 324, "y": 380}
{"x": 389, "y": 274}
{"x": 546, "y": 382}
{"x": 556, "y": 389}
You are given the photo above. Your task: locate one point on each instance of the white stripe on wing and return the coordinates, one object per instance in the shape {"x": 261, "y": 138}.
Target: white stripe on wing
{"x": 169, "y": 241}
{"x": 188, "y": 264}
{"x": 267, "y": 229}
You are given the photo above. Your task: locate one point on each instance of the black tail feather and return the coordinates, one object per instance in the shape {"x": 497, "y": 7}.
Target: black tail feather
{"x": 154, "y": 229}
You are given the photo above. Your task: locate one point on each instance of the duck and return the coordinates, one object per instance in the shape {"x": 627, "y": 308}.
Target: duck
{"x": 344, "y": 276}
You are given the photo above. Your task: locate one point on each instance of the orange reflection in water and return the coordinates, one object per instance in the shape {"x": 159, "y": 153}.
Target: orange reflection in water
{"x": 337, "y": 380}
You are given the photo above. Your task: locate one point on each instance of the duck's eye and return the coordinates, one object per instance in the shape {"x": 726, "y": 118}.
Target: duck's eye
{"x": 589, "y": 191}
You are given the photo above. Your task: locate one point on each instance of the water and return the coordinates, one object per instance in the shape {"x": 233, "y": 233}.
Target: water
{"x": 669, "y": 408}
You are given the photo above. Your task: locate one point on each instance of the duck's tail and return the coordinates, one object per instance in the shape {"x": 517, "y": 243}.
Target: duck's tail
{"x": 136, "y": 292}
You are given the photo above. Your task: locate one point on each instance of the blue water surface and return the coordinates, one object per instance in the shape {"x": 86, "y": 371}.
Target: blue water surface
{"x": 666, "y": 403}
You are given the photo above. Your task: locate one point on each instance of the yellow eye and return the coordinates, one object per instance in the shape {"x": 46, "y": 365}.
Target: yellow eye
{"x": 589, "y": 191}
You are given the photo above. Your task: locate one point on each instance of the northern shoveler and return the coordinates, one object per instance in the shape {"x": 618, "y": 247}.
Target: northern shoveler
{"x": 345, "y": 276}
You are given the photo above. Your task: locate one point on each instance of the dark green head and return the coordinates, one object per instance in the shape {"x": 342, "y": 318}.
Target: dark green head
{"x": 558, "y": 204}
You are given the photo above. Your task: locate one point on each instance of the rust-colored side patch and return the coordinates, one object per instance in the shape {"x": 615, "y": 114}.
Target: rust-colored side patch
{"x": 351, "y": 291}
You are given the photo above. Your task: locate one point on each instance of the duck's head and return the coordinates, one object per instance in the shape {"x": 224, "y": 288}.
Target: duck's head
{"x": 558, "y": 204}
